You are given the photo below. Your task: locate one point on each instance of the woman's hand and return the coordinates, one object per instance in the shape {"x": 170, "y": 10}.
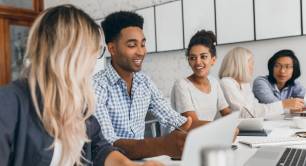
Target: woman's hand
{"x": 293, "y": 103}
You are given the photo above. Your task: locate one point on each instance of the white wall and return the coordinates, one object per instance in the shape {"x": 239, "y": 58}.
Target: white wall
{"x": 165, "y": 67}
{"x": 100, "y": 8}
{"x": 173, "y": 65}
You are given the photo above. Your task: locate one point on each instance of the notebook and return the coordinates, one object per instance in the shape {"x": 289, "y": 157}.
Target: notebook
{"x": 255, "y": 143}
{"x": 251, "y": 127}
{"x": 253, "y": 133}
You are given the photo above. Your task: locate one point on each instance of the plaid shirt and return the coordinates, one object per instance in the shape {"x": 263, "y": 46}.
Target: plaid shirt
{"x": 123, "y": 116}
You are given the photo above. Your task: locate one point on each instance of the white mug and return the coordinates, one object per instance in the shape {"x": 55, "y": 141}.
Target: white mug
{"x": 299, "y": 122}
{"x": 217, "y": 156}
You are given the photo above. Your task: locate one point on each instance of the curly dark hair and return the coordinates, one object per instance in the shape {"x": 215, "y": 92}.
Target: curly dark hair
{"x": 205, "y": 38}
{"x": 115, "y": 22}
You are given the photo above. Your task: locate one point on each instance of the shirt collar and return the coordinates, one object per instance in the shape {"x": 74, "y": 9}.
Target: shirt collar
{"x": 114, "y": 77}
{"x": 276, "y": 88}
{"x": 112, "y": 74}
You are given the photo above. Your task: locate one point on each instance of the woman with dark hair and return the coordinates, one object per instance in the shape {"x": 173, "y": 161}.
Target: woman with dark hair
{"x": 281, "y": 84}
{"x": 200, "y": 95}
{"x": 235, "y": 75}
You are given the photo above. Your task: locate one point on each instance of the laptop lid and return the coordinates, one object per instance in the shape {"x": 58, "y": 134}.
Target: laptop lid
{"x": 251, "y": 124}
{"x": 266, "y": 156}
{"x": 217, "y": 133}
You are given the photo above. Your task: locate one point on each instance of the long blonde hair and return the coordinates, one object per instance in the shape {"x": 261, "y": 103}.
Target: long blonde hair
{"x": 61, "y": 52}
{"x": 235, "y": 65}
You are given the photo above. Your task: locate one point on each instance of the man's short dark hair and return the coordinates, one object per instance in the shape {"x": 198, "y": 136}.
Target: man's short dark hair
{"x": 296, "y": 66}
{"x": 115, "y": 22}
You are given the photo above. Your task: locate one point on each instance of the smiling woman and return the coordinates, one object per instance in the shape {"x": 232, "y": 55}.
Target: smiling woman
{"x": 188, "y": 94}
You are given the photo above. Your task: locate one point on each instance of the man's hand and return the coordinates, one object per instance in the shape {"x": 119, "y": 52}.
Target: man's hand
{"x": 293, "y": 103}
{"x": 176, "y": 139}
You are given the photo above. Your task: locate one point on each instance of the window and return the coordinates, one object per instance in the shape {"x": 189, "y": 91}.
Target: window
{"x": 16, "y": 17}
{"x": 28, "y": 4}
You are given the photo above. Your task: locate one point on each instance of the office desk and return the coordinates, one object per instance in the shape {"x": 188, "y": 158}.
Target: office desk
{"x": 278, "y": 127}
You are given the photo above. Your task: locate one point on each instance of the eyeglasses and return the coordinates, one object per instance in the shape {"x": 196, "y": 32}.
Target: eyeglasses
{"x": 285, "y": 67}
{"x": 103, "y": 52}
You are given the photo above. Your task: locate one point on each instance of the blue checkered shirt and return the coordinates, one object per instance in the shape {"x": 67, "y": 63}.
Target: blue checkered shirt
{"x": 123, "y": 116}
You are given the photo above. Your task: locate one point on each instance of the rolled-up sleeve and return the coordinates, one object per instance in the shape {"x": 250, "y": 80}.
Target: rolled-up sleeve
{"x": 102, "y": 114}
{"x": 162, "y": 109}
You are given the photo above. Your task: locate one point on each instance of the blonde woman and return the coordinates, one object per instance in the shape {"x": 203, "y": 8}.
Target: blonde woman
{"x": 236, "y": 74}
{"x": 46, "y": 117}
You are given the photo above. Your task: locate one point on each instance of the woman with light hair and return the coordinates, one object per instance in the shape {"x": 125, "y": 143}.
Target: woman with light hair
{"x": 236, "y": 74}
{"x": 46, "y": 117}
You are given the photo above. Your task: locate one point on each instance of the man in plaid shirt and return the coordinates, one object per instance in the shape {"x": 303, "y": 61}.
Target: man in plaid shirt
{"x": 125, "y": 95}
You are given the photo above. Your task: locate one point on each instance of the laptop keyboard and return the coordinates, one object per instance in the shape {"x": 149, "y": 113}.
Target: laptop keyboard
{"x": 293, "y": 157}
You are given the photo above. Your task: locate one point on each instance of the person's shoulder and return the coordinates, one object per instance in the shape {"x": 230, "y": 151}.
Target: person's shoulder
{"x": 261, "y": 79}
{"x": 100, "y": 79}
{"x": 182, "y": 82}
{"x": 13, "y": 90}
{"x": 142, "y": 75}
{"x": 92, "y": 125}
{"x": 297, "y": 84}
{"x": 213, "y": 79}
{"x": 12, "y": 95}
{"x": 8, "y": 92}
{"x": 143, "y": 78}
{"x": 227, "y": 80}
{"x": 100, "y": 76}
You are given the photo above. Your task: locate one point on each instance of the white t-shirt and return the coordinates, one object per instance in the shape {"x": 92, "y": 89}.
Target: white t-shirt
{"x": 241, "y": 97}
{"x": 186, "y": 97}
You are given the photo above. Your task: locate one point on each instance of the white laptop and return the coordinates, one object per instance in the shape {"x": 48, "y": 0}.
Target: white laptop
{"x": 216, "y": 133}
{"x": 279, "y": 156}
